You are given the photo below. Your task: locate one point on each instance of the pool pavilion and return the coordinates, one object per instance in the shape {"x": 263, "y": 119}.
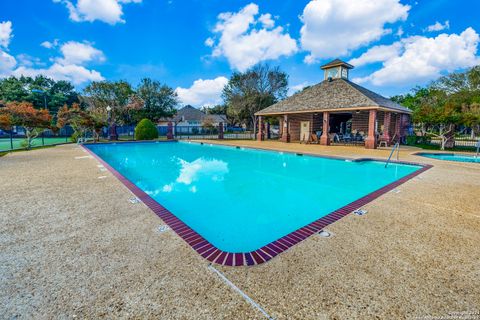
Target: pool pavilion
{"x": 337, "y": 111}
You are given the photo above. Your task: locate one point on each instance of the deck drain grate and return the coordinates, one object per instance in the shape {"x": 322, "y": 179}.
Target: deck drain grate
{"x": 396, "y": 191}
{"x": 324, "y": 233}
{"x": 360, "y": 212}
{"x": 134, "y": 200}
{"x": 163, "y": 228}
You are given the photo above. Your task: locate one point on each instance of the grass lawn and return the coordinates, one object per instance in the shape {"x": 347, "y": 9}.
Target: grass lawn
{"x": 17, "y": 142}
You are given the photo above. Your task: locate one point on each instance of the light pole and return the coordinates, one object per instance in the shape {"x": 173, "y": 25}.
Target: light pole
{"x": 44, "y": 96}
{"x": 109, "y": 109}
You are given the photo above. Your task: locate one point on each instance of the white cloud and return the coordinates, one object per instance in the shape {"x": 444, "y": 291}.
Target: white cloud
{"x": 203, "y": 92}
{"x": 67, "y": 67}
{"x": 418, "y": 59}
{"x": 333, "y": 28}
{"x": 298, "y": 87}
{"x": 209, "y": 42}
{"x": 73, "y": 73}
{"x": 244, "y": 43}
{"x": 79, "y": 53}
{"x": 109, "y": 11}
{"x": 5, "y": 33}
{"x": 437, "y": 26}
{"x": 7, "y": 63}
{"x": 378, "y": 54}
{"x": 49, "y": 45}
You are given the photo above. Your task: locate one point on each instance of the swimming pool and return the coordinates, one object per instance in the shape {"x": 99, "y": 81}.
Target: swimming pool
{"x": 450, "y": 157}
{"x": 240, "y": 206}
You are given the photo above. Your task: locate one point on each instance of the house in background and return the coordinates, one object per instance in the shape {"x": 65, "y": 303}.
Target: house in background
{"x": 338, "y": 110}
{"x": 191, "y": 120}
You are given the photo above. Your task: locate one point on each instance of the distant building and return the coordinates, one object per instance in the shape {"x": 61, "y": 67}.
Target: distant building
{"x": 192, "y": 120}
{"x": 338, "y": 110}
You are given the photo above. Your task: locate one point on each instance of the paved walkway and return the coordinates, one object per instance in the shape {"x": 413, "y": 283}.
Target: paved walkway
{"x": 71, "y": 244}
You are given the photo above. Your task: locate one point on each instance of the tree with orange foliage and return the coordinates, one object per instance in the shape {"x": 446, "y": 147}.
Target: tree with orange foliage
{"x": 23, "y": 114}
{"x": 80, "y": 120}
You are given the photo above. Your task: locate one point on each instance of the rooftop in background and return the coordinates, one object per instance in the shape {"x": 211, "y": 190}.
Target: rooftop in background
{"x": 189, "y": 113}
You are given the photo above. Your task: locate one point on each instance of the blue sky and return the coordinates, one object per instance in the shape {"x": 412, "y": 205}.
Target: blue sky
{"x": 194, "y": 46}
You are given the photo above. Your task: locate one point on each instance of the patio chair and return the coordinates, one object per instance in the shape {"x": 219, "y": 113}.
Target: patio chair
{"x": 313, "y": 139}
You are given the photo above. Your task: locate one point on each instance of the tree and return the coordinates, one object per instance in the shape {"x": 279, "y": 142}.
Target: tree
{"x": 38, "y": 91}
{"x": 251, "y": 91}
{"x": 80, "y": 120}
{"x": 98, "y": 95}
{"x": 25, "y": 115}
{"x": 159, "y": 100}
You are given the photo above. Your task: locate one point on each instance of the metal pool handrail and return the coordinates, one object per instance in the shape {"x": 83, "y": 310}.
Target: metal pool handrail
{"x": 396, "y": 146}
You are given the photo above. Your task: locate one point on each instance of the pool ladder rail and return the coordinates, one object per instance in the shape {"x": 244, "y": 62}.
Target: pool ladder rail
{"x": 395, "y": 147}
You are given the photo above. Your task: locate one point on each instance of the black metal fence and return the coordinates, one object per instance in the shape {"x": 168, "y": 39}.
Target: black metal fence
{"x": 16, "y": 139}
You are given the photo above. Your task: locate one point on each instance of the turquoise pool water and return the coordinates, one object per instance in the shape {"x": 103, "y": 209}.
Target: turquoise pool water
{"x": 451, "y": 157}
{"x": 242, "y": 199}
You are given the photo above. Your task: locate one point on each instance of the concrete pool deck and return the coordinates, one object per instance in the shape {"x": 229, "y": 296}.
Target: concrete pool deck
{"x": 71, "y": 244}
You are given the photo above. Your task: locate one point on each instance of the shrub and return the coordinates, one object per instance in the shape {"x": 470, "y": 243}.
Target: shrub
{"x": 146, "y": 130}
{"x": 411, "y": 140}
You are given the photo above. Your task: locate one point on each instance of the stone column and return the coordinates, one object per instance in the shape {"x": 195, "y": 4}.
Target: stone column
{"x": 260, "y": 136}
{"x": 386, "y": 127}
{"x": 285, "y": 130}
{"x": 371, "y": 141}
{"x": 170, "y": 131}
{"x": 325, "y": 138}
{"x": 220, "y": 130}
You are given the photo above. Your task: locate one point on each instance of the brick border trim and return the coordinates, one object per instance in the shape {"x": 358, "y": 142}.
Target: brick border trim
{"x": 267, "y": 252}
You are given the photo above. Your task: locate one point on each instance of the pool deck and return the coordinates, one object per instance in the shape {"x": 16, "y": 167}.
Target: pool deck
{"x": 71, "y": 244}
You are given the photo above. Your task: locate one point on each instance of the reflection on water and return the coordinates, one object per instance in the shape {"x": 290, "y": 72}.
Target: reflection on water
{"x": 191, "y": 172}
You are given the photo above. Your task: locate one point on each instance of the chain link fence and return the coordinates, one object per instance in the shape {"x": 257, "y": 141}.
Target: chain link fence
{"x": 15, "y": 139}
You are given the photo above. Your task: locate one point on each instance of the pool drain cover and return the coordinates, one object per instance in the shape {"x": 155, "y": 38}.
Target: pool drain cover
{"x": 360, "y": 212}
{"x": 324, "y": 234}
{"x": 134, "y": 200}
{"x": 163, "y": 228}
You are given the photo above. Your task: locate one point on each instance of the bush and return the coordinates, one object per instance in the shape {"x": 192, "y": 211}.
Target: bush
{"x": 411, "y": 140}
{"x": 146, "y": 130}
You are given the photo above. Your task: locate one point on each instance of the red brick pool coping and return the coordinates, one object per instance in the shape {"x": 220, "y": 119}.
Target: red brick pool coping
{"x": 267, "y": 252}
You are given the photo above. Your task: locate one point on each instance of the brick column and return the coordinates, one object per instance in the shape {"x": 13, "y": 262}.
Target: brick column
{"x": 325, "y": 138}
{"x": 285, "y": 130}
{"x": 398, "y": 126}
{"x": 220, "y": 130}
{"x": 371, "y": 141}
{"x": 170, "y": 131}
{"x": 260, "y": 136}
{"x": 386, "y": 127}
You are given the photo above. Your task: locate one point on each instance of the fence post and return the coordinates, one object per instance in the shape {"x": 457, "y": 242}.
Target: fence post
{"x": 220, "y": 130}
{"x": 170, "y": 131}
{"x": 43, "y": 138}
{"x": 11, "y": 139}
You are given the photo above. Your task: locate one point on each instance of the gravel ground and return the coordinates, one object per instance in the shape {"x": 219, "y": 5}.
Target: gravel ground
{"x": 72, "y": 245}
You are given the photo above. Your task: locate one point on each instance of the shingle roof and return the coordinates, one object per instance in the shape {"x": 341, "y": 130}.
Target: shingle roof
{"x": 332, "y": 95}
{"x": 336, "y": 62}
{"x": 189, "y": 113}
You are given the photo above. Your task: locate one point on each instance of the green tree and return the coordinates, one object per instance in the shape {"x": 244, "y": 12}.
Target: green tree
{"x": 253, "y": 90}
{"x": 115, "y": 94}
{"x": 39, "y": 91}
{"x": 159, "y": 100}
